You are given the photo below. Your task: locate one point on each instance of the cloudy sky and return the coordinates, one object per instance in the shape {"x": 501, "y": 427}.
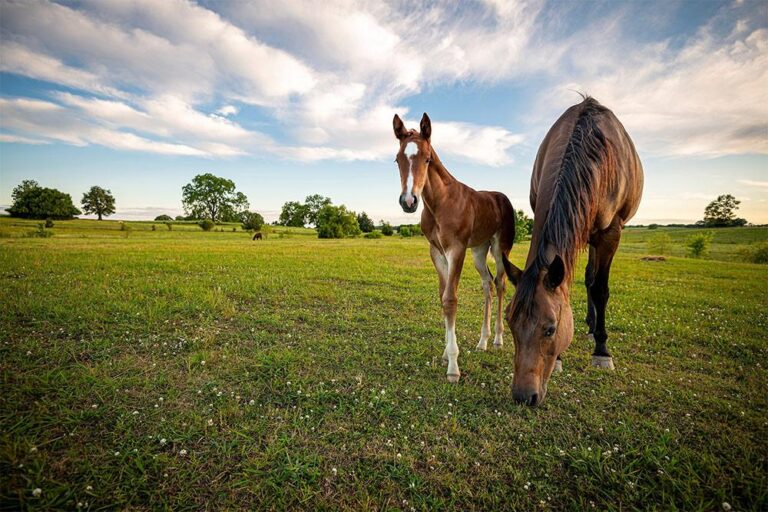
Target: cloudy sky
{"x": 292, "y": 98}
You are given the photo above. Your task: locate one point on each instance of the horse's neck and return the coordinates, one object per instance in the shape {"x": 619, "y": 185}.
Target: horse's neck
{"x": 439, "y": 188}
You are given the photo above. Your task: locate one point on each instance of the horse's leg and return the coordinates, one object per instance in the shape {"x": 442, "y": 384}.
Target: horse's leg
{"x": 605, "y": 248}
{"x": 480, "y": 257}
{"x": 441, "y": 266}
{"x": 589, "y": 279}
{"x": 501, "y": 288}
{"x": 455, "y": 258}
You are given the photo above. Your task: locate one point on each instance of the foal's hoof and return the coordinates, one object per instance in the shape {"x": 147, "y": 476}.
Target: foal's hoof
{"x": 482, "y": 346}
{"x": 558, "y": 366}
{"x": 603, "y": 362}
{"x": 453, "y": 379}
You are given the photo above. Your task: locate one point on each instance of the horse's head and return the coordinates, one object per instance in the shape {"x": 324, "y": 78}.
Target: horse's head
{"x": 412, "y": 159}
{"x": 541, "y": 322}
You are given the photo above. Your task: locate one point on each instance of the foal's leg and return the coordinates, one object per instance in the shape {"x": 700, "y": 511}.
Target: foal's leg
{"x": 606, "y": 247}
{"x": 441, "y": 266}
{"x": 455, "y": 259}
{"x": 501, "y": 288}
{"x": 480, "y": 256}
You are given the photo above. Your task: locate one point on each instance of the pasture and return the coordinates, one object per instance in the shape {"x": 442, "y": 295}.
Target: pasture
{"x": 200, "y": 371}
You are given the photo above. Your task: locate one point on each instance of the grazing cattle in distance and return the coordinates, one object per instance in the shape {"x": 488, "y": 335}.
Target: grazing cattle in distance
{"x": 455, "y": 217}
{"x": 586, "y": 184}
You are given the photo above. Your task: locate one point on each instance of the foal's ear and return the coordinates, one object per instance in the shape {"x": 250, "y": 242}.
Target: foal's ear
{"x": 555, "y": 273}
{"x": 400, "y": 131}
{"x": 426, "y": 127}
{"x": 513, "y": 273}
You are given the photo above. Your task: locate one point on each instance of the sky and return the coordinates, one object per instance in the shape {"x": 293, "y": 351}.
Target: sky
{"x": 294, "y": 98}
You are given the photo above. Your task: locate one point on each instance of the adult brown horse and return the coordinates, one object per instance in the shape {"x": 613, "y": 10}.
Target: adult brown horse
{"x": 455, "y": 217}
{"x": 587, "y": 182}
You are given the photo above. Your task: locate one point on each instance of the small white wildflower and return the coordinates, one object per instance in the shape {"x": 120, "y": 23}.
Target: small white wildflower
{"x": 183, "y": 453}
{"x": 210, "y": 423}
{"x": 29, "y": 353}
{"x": 135, "y": 413}
{"x": 94, "y": 406}
{"x": 37, "y": 492}
{"x": 202, "y": 363}
{"x": 88, "y": 487}
{"x": 399, "y": 455}
{"x": 252, "y": 402}
{"x": 334, "y": 471}
{"x": 33, "y": 449}
{"x": 163, "y": 441}
{"x": 726, "y": 506}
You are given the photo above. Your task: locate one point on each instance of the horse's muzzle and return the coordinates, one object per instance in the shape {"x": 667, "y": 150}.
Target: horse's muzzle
{"x": 406, "y": 207}
{"x": 528, "y": 397}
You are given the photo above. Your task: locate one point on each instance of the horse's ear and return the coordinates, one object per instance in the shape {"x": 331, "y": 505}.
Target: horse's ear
{"x": 400, "y": 131}
{"x": 555, "y": 273}
{"x": 426, "y": 127}
{"x": 513, "y": 273}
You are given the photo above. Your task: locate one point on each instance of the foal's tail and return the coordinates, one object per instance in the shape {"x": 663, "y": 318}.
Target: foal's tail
{"x": 507, "y": 237}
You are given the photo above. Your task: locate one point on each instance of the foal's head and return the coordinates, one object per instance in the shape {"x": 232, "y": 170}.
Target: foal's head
{"x": 541, "y": 322}
{"x": 413, "y": 159}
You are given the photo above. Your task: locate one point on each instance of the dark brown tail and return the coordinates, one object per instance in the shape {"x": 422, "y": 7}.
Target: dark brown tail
{"x": 507, "y": 238}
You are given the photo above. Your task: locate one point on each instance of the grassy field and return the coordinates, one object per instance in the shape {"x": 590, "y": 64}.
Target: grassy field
{"x": 201, "y": 371}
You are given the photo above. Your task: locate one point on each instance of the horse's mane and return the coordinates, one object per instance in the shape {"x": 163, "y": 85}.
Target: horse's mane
{"x": 572, "y": 207}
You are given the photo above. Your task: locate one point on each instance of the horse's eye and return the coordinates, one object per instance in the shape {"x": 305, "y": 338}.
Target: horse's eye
{"x": 549, "y": 331}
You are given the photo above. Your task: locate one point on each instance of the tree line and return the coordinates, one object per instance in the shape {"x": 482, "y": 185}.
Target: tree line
{"x": 215, "y": 199}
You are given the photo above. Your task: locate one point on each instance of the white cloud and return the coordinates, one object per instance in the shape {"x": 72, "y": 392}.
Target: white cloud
{"x": 753, "y": 183}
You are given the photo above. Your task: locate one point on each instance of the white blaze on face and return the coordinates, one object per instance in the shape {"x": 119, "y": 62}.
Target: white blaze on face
{"x": 411, "y": 150}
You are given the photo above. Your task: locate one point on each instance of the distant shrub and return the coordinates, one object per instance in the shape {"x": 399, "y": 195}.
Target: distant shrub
{"x": 162, "y": 218}
{"x": 336, "y": 222}
{"x": 206, "y": 224}
{"x": 386, "y": 229}
{"x": 374, "y": 234}
{"x": 756, "y": 253}
{"x": 169, "y": 226}
{"x": 48, "y": 223}
{"x": 234, "y": 230}
{"x": 154, "y": 228}
{"x": 659, "y": 243}
{"x": 40, "y": 232}
{"x": 405, "y": 231}
{"x": 653, "y": 226}
{"x": 698, "y": 244}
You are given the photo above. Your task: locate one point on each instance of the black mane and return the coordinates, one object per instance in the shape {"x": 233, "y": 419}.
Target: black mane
{"x": 571, "y": 209}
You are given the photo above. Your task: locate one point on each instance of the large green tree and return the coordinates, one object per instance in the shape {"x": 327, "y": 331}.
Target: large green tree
{"x": 365, "y": 222}
{"x": 213, "y": 197}
{"x": 313, "y": 204}
{"x": 98, "y": 201}
{"x": 252, "y": 221}
{"x": 31, "y": 201}
{"x": 722, "y": 212}
{"x": 523, "y": 225}
{"x": 336, "y": 222}
{"x": 293, "y": 214}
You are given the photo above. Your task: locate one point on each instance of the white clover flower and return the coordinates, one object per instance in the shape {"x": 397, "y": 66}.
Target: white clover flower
{"x": 210, "y": 423}
{"x": 183, "y": 453}
{"x": 37, "y": 492}
{"x": 726, "y": 506}
{"x": 252, "y": 402}
{"x": 163, "y": 441}
{"x": 334, "y": 471}
{"x": 202, "y": 363}
{"x": 29, "y": 353}
{"x": 88, "y": 488}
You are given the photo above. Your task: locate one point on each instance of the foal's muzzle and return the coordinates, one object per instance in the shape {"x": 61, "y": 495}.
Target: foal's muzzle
{"x": 406, "y": 208}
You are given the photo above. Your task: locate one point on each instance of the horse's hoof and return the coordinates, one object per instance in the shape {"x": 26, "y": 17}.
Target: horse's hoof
{"x": 498, "y": 346}
{"x": 453, "y": 379}
{"x": 558, "y": 366}
{"x": 482, "y": 346}
{"x": 603, "y": 362}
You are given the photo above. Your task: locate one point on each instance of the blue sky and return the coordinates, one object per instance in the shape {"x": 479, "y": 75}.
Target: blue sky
{"x": 293, "y": 98}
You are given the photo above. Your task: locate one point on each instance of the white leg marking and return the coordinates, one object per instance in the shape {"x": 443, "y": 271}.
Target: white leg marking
{"x": 498, "y": 340}
{"x": 452, "y": 351}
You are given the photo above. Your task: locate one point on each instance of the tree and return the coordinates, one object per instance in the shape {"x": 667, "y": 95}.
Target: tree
{"x": 386, "y": 229}
{"x": 313, "y": 204}
{"x": 293, "y": 214}
{"x": 721, "y": 212}
{"x": 98, "y": 201}
{"x": 523, "y": 225}
{"x": 212, "y": 197}
{"x": 365, "y": 222}
{"x": 252, "y": 221}
{"x": 162, "y": 218}
{"x": 31, "y": 201}
{"x": 336, "y": 222}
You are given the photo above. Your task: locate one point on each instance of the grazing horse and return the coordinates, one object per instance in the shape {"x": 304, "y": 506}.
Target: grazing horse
{"x": 257, "y": 236}
{"x": 455, "y": 217}
{"x": 586, "y": 184}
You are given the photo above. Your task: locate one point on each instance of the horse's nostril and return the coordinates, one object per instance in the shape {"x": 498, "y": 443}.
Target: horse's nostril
{"x": 533, "y": 399}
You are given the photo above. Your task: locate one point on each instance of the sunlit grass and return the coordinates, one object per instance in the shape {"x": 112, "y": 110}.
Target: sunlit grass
{"x": 191, "y": 370}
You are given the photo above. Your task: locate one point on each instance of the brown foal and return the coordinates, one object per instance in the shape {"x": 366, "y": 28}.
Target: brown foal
{"x": 455, "y": 217}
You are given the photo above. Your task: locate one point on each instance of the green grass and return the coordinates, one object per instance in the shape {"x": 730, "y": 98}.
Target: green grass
{"x": 727, "y": 243}
{"x": 337, "y": 344}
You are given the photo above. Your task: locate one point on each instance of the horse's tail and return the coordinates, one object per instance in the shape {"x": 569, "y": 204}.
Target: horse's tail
{"x": 507, "y": 236}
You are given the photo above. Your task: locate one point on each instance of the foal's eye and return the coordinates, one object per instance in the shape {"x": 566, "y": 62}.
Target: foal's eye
{"x": 549, "y": 331}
